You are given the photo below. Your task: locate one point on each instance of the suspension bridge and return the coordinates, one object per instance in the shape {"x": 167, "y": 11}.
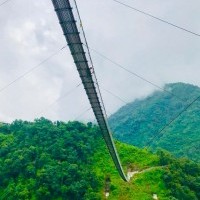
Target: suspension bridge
{"x": 87, "y": 74}
{"x": 81, "y": 55}
{"x": 78, "y": 49}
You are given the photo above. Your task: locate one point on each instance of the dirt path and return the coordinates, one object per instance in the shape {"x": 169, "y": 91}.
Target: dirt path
{"x": 131, "y": 174}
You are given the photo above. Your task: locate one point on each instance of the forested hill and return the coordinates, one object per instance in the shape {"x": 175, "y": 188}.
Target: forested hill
{"x": 140, "y": 121}
{"x": 44, "y": 160}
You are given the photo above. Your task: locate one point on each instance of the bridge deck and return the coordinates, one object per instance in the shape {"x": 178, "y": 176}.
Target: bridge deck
{"x": 71, "y": 33}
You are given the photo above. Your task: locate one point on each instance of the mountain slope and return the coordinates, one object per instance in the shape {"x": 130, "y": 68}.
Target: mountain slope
{"x": 44, "y": 160}
{"x": 140, "y": 121}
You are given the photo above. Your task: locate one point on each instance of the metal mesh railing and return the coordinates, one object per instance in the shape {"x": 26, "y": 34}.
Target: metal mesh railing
{"x": 68, "y": 23}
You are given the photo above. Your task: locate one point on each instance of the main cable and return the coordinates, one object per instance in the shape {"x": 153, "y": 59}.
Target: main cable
{"x": 134, "y": 74}
{"x": 82, "y": 113}
{"x": 157, "y": 18}
{"x": 31, "y": 70}
{"x": 60, "y": 98}
{"x": 88, "y": 49}
{"x": 114, "y": 95}
{"x": 4, "y": 2}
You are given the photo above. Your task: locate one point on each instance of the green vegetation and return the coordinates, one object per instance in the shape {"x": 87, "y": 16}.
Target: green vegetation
{"x": 42, "y": 160}
{"x": 181, "y": 176}
{"x": 138, "y": 122}
{"x": 45, "y": 160}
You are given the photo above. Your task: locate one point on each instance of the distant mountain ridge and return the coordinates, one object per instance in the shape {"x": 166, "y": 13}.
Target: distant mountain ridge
{"x": 138, "y": 122}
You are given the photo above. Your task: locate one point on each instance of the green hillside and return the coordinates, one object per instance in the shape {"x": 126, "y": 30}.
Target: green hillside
{"x": 42, "y": 160}
{"x": 138, "y": 122}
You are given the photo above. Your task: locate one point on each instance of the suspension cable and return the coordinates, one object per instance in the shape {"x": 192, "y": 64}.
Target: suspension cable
{"x": 157, "y": 18}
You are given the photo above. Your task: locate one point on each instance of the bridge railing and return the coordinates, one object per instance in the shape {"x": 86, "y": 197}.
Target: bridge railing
{"x": 87, "y": 74}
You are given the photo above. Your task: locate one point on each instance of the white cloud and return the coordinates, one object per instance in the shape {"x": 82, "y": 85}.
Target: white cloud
{"x": 30, "y": 32}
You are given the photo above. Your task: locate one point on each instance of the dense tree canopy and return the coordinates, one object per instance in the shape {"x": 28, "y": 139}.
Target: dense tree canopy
{"x": 43, "y": 160}
{"x": 138, "y": 122}
{"x": 57, "y": 160}
{"x": 182, "y": 176}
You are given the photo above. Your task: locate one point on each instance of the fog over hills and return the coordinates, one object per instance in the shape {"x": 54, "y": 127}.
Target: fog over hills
{"x": 139, "y": 122}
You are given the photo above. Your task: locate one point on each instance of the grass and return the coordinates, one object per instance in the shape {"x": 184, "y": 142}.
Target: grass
{"x": 142, "y": 186}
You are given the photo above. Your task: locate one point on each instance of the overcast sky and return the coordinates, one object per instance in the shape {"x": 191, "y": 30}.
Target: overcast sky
{"x": 30, "y": 33}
